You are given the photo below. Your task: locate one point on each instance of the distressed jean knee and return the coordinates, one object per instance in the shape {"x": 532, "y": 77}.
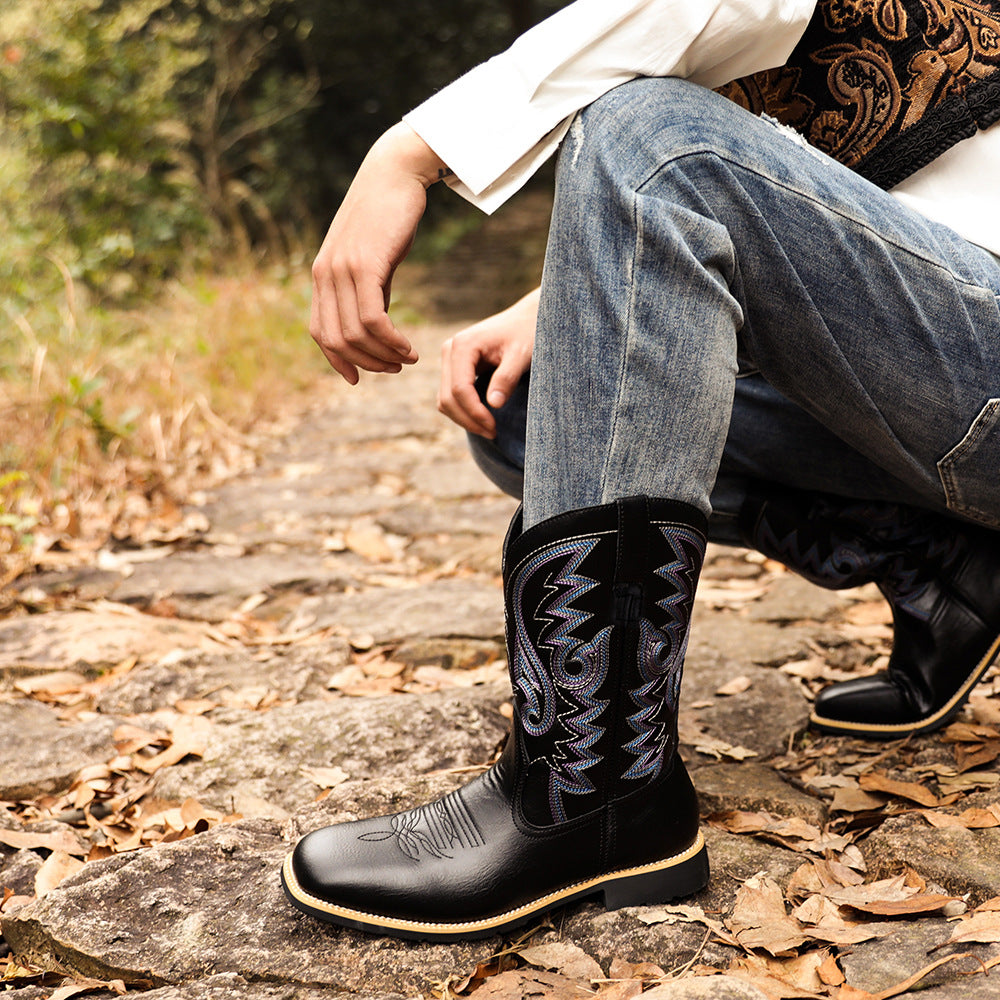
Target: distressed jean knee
{"x": 627, "y": 130}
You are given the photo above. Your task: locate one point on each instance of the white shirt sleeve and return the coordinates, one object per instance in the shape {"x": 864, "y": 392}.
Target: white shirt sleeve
{"x": 497, "y": 124}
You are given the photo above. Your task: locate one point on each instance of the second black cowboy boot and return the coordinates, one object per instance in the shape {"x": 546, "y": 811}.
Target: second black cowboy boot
{"x": 589, "y": 798}
{"x": 941, "y": 578}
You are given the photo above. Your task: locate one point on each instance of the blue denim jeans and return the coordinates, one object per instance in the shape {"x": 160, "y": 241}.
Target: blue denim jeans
{"x": 721, "y": 302}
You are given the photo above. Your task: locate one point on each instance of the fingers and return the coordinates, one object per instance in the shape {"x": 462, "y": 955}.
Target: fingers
{"x": 457, "y": 396}
{"x": 504, "y": 381}
{"x": 350, "y": 325}
{"x": 503, "y": 342}
{"x": 368, "y": 238}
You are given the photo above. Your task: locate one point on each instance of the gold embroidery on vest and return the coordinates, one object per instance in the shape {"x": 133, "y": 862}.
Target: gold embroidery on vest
{"x": 884, "y": 86}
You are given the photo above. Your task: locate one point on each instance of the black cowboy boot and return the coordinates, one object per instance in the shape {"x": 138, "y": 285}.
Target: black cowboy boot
{"x": 941, "y": 578}
{"x": 589, "y": 797}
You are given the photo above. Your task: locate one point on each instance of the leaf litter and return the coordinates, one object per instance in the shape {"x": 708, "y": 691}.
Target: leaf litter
{"x": 786, "y": 942}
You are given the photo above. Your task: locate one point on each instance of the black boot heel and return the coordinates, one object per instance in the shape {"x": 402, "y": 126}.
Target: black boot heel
{"x": 683, "y": 877}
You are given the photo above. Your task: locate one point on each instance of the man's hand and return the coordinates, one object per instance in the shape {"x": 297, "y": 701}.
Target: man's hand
{"x": 371, "y": 233}
{"x": 504, "y": 342}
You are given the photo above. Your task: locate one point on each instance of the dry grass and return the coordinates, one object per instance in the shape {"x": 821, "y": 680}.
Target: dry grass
{"x": 112, "y": 420}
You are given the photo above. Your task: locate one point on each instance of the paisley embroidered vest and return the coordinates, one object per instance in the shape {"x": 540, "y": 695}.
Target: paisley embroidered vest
{"x": 886, "y": 86}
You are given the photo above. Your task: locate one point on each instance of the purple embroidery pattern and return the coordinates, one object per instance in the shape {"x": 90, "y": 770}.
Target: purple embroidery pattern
{"x": 564, "y": 690}
{"x": 568, "y": 774}
{"x": 660, "y": 656}
{"x": 850, "y": 558}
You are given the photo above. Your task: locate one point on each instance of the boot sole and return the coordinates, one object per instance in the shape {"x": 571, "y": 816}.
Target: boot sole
{"x": 672, "y": 878}
{"x": 900, "y": 730}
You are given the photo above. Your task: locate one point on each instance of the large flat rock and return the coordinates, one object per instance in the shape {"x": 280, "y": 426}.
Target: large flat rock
{"x": 213, "y": 905}
{"x": 39, "y": 754}
{"x": 93, "y": 639}
{"x": 252, "y": 758}
{"x": 460, "y": 608}
{"x": 211, "y": 586}
{"x": 962, "y": 861}
{"x": 486, "y": 516}
{"x": 239, "y": 678}
{"x": 880, "y": 964}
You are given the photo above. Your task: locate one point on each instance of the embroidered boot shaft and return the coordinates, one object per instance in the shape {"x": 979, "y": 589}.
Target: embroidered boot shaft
{"x": 589, "y": 797}
{"x": 940, "y": 577}
{"x": 594, "y": 620}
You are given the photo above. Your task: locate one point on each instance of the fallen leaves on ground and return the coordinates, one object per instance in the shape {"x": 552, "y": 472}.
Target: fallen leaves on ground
{"x": 110, "y": 808}
{"x": 374, "y": 672}
{"x": 792, "y": 832}
{"x": 982, "y": 925}
{"x": 692, "y": 732}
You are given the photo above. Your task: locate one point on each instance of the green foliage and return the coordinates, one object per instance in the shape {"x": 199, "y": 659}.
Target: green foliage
{"x": 96, "y": 177}
{"x": 81, "y": 399}
{"x": 15, "y": 524}
{"x": 139, "y": 137}
{"x": 122, "y": 123}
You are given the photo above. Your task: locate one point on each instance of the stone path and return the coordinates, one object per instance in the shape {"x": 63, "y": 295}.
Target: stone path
{"x": 330, "y": 646}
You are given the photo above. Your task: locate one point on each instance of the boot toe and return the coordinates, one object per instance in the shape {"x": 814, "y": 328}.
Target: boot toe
{"x": 866, "y": 706}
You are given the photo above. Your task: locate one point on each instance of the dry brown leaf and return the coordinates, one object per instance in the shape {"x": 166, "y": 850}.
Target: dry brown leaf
{"x": 684, "y": 914}
{"x": 371, "y": 542}
{"x": 325, "y": 777}
{"x": 801, "y": 972}
{"x": 354, "y": 682}
{"x": 819, "y": 874}
{"x": 755, "y": 969}
{"x": 131, "y": 739}
{"x": 11, "y": 903}
{"x": 87, "y": 986}
{"x": 969, "y": 759}
{"x": 193, "y": 813}
{"x": 971, "y": 819}
{"x": 793, "y": 833}
{"x": 829, "y": 972}
{"x": 188, "y": 734}
{"x": 623, "y": 989}
{"x": 965, "y": 732}
{"x": 982, "y": 926}
{"x": 855, "y": 800}
{"x": 823, "y": 922}
{"x": 527, "y": 984}
{"x": 195, "y": 706}
{"x": 56, "y": 867}
{"x": 736, "y": 686}
{"x": 382, "y": 668}
{"x": 625, "y": 980}
{"x": 893, "y": 897}
{"x": 57, "y": 683}
{"x": 760, "y": 920}
{"x": 986, "y": 711}
{"x": 61, "y": 841}
{"x": 875, "y": 781}
{"x": 563, "y": 957}
{"x": 815, "y": 668}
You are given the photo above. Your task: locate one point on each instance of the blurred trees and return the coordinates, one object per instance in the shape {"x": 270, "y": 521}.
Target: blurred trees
{"x": 140, "y": 135}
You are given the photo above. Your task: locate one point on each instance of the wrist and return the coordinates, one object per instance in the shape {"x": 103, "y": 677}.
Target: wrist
{"x": 408, "y": 152}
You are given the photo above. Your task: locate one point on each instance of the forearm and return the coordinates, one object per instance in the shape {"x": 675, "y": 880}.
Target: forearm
{"x": 370, "y": 235}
